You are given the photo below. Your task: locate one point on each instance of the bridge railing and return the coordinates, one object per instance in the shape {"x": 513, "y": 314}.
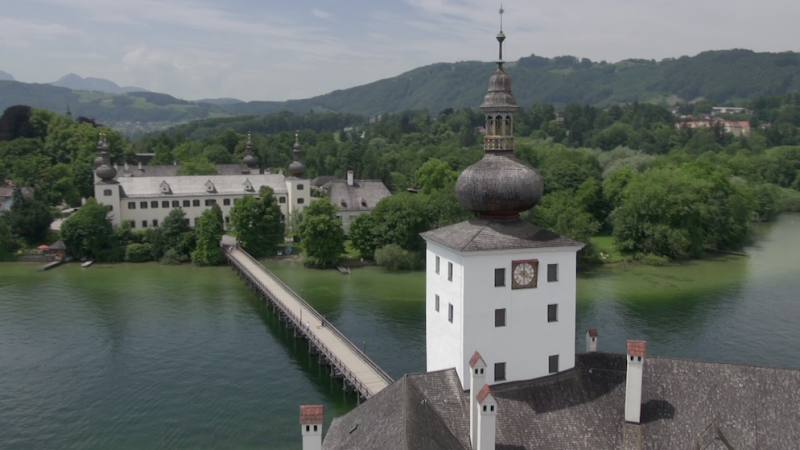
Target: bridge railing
{"x": 328, "y": 354}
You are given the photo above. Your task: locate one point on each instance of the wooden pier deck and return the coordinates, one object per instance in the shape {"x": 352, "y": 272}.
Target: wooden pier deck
{"x": 357, "y": 370}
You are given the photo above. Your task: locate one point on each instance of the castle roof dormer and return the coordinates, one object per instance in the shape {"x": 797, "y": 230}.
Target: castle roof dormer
{"x": 210, "y": 187}
{"x": 164, "y": 187}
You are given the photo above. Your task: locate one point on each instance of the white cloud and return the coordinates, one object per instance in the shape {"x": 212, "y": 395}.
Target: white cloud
{"x": 320, "y": 13}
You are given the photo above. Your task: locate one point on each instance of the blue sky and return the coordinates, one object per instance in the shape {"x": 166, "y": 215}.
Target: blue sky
{"x": 269, "y": 50}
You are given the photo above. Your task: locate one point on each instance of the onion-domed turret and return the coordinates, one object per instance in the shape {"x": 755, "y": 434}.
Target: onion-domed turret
{"x": 296, "y": 168}
{"x": 499, "y": 186}
{"x": 104, "y": 170}
{"x": 249, "y": 159}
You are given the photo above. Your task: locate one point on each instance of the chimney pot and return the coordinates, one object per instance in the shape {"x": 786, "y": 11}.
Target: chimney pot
{"x": 487, "y": 419}
{"x": 140, "y": 165}
{"x": 633, "y": 380}
{"x": 350, "y": 178}
{"x": 311, "y": 418}
{"x": 477, "y": 378}
{"x": 591, "y": 340}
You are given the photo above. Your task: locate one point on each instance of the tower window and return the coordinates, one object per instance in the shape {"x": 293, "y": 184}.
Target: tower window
{"x": 552, "y": 313}
{"x": 450, "y": 312}
{"x": 144, "y": 224}
{"x": 499, "y": 277}
{"x": 195, "y": 202}
{"x": 226, "y": 202}
{"x": 436, "y": 303}
{"x": 315, "y": 427}
{"x": 500, "y": 317}
{"x": 552, "y": 272}
{"x": 308, "y": 427}
{"x": 500, "y": 371}
{"x": 553, "y": 363}
{"x": 155, "y": 222}
{"x": 437, "y": 264}
{"x": 300, "y": 187}
{"x": 449, "y": 271}
{"x": 107, "y": 192}
{"x": 300, "y": 201}
{"x": 176, "y": 203}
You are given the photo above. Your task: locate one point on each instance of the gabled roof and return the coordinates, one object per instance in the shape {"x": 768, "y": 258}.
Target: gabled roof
{"x": 363, "y": 195}
{"x": 311, "y": 414}
{"x": 479, "y": 234}
{"x": 407, "y": 415}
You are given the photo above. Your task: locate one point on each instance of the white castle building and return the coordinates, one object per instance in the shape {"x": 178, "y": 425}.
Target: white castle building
{"x": 144, "y": 196}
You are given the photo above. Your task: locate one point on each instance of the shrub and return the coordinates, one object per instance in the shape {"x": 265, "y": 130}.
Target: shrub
{"x": 654, "y": 260}
{"x": 393, "y": 257}
{"x": 139, "y": 253}
{"x": 173, "y": 257}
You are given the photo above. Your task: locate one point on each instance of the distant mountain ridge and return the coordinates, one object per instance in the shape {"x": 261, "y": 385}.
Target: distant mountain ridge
{"x": 76, "y": 83}
{"x": 5, "y": 76}
{"x": 724, "y": 77}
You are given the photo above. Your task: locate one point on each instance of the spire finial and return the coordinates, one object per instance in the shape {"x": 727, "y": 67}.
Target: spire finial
{"x": 501, "y": 37}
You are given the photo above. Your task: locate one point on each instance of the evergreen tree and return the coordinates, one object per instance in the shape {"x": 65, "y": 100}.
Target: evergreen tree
{"x": 30, "y": 218}
{"x": 322, "y": 234}
{"x": 209, "y": 230}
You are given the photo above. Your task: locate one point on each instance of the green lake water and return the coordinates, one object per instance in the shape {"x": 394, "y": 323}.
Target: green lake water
{"x": 160, "y": 357}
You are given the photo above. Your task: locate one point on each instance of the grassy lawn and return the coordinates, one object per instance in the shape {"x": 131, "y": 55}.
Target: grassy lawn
{"x": 605, "y": 245}
{"x": 350, "y": 252}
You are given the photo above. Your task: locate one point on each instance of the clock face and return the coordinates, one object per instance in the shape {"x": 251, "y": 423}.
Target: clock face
{"x": 524, "y": 274}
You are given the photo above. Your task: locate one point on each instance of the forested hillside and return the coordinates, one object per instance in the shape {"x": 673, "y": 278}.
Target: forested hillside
{"x": 721, "y": 77}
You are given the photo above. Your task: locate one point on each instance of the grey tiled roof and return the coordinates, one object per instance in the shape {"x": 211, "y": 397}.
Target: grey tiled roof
{"x": 195, "y": 185}
{"x": 408, "y": 415}
{"x": 479, "y": 234}
{"x": 584, "y": 408}
{"x": 322, "y": 180}
{"x": 363, "y": 195}
{"x": 172, "y": 170}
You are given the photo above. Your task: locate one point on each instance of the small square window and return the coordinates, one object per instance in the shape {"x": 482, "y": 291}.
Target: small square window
{"x": 308, "y": 427}
{"x": 227, "y": 219}
{"x": 437, "y": 264}
{"x": 450, "y": 312}
{"x": 143, "y": 205}
{"x": 186, "y": 203}
{"x": 165, "y": 204}
{"x": 195, "y": 202}
{"x": 500, "y": 371}
{"x": 109, "y": 207}
{"x": 176, "y": 203}
{"x": 499, "y": 277}
{"x": 281, "y": 199}
{"x": 154, "y": 204}
{"x": 300, "y": 187}
{"x": 552, "y": 313}
{"x": 144, "y": 224}
{"x": 226, "y": 202}
{"x": 211, "y": 202}
{"x": 133, "y": 223}
{"x": 107, "y": 192}
{"x": 553, "y": 363}
{"x": 449, "y": 271}
{"x": 500, "y": 317}
{"x": 155, "y": 222}
{"x": 436, "y": 303}
{"x": 552, "y": 272}
{"x": 315, "y": 427}
{"x": 131, "y": 205}
{"x": 300, "y": 201}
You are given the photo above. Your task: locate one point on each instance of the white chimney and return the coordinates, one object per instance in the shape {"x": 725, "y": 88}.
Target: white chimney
{"x": 140, "y": 165}
{"x": 349, "y": 177}
{"x": 477, "y": 378}
{"x": 311, "y": 417}
{"x": 591, "y": 340}
{"x": 633, "y": 382}
{"x": 487, "y": 419}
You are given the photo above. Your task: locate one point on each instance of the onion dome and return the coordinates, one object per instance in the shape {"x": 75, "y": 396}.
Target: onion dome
{"x": 499, "y": 186}
{"x": 296, "y": 168}
{"x": 249, "y": 159}
{"x": 98, "y": 161}
{"x": 102, "y": 163}
{"x": 106, "y": 172}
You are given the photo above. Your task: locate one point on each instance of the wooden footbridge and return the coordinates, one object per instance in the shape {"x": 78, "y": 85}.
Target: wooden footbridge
{"x": 358, "y": 372}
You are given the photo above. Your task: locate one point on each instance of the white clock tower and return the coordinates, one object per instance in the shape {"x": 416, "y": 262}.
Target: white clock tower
{"x": 497, "y": 284}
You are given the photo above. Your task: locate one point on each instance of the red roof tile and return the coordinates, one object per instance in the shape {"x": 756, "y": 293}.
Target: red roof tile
{"x": 637, "y": 348}
{"x": 311, "y": 414}
{"x": 475, "y": 357}
{"x": 485, "y": 391}
{"x": 593, "y": 332}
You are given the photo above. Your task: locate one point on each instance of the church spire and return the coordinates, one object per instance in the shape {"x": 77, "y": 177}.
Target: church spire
{"x": 249, "y": 158}
{"x": 296, "y": 168}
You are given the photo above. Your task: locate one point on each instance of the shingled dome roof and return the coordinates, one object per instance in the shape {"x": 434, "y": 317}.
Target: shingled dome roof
{"x": 296, "y": 168}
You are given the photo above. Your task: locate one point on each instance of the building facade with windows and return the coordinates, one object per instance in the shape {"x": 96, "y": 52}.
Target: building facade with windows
{"x": 145, "y": 196}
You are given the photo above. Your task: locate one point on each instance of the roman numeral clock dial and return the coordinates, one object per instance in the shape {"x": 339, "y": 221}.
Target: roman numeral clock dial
{"x": 524, "y": 274}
